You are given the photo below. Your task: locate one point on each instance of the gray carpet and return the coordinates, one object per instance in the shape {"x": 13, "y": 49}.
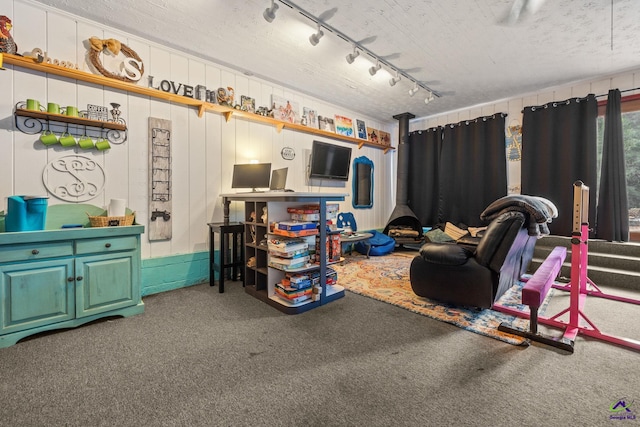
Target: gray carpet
{"x": 200, "y": 358}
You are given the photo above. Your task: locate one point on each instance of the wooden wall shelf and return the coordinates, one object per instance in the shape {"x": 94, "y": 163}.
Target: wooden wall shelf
{"x": 227, "y": 112}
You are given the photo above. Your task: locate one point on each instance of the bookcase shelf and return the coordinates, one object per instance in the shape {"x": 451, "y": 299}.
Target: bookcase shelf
{"x": 260, "y": 279}
{"x": 202, "y": 106}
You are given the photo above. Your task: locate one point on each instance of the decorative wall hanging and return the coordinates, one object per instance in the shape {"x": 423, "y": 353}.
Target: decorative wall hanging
{"x": 132, "y": 66}
{"x": 288, "y": 153}
{"x": 74, "y": 178}
{"x": 361, "y": 129}
{"x": 312, "y": 117}
{"x": 225, "y": 96}
{"x": 7, "y": 44}
{"x": 248, "y": 104}
{"x": 514, "y": 143}
{"x": 326, "y": 123}
{"x": 160, "y": 179}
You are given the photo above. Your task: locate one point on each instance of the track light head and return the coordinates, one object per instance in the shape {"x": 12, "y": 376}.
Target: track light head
{"x": 269, "y": 13}
{"x": 394, "y": 80}
{"x": 352, "y": 56}
{"x": 429, "y": 98}
{"x": 414, "y": 90}
{"x": 314, "y": 39}
{"x": 373, "y": 70}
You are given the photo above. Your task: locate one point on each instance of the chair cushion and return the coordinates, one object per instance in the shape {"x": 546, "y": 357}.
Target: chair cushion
{"x": 445, "y": 253}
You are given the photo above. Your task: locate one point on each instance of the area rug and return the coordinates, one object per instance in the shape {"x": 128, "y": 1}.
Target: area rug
{"x": 386, "y": 278}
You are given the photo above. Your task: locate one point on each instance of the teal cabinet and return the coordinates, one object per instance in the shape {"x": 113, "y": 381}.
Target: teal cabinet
{"x": 63, "y": 278}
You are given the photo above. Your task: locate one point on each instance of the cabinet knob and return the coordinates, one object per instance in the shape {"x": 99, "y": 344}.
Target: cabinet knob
{"x": 78, "y": 279}
{"x": 107, "y": 245}
{"x": 35, "y": 252}
{"x": 70, "y": 279}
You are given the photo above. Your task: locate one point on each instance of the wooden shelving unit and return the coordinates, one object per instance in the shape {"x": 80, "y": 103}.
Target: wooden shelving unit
{"x": 227, "y": 112}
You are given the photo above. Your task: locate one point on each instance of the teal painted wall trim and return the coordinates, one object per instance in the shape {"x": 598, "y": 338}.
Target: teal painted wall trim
{"x": 173, "y": 272}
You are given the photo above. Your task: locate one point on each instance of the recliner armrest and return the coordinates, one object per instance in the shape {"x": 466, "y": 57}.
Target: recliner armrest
{"x": 445, "y": 253}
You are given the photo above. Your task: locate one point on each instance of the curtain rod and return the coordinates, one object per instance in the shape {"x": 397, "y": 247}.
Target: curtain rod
{"x": 622, "y": 91}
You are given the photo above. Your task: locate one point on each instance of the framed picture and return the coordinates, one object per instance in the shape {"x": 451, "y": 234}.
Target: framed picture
{"x": 247, "y": 104}
{"x": 344, "y": 125}
{"x": 372, "y": 135}
{"x": 361, "y": 129}
{"x": 285, "y": 110}
{"x": 312, "y": 117}
{"x": 385, "y": 138}
{"x": 326, "y": 123}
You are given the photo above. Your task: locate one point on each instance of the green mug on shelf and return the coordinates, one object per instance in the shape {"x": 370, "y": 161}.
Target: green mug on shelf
{"x": 102, "y": 144}
{"x": 71, "y": 111}
{"x": 33, "y": 104}
{"x": 85, "y": 142}
{"x": 48, "y": 138}
{"x": 67, "y": 140}
{"x": 54, "y": 108}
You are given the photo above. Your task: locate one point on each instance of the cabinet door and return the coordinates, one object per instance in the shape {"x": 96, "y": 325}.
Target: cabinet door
{"x": 35, "y": 294}
{"x": 106, "y": 282}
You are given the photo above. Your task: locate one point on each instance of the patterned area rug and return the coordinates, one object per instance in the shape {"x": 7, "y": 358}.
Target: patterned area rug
{"x": 386, "y": 278}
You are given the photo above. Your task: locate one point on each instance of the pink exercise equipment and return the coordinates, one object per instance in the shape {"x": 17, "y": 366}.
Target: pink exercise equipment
{"x": 580, "y": 286}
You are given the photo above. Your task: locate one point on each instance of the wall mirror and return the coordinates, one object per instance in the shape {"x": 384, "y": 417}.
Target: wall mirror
{"x": 362, "y": 183}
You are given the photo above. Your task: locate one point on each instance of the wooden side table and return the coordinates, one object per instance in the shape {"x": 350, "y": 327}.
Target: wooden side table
{"x": 231, "y": 252}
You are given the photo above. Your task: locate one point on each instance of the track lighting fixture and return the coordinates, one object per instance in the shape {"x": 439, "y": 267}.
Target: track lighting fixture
{"x": 395, "y": 79}
{"x": 270, "y": 12}
{"x": 429, "y": 98}
{"x": 414, "y": 90}
{"x": 314, "y": 39}
{"x": 373, "y": 70}
{"x": 352, "y": 56}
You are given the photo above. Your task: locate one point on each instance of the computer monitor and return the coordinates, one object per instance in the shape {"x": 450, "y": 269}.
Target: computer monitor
{"x": 251, "y": 175}
{"x": 278, "y": 179}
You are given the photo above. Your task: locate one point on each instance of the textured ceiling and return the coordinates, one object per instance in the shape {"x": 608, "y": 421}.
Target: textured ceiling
{"x": 462, "y": 49}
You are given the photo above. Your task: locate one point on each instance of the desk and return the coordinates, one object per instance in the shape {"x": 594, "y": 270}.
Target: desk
{"x": 351, "y": 239}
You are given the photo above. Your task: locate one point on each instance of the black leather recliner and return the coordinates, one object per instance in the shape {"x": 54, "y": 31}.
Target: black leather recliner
{"x": 453, "y": 274}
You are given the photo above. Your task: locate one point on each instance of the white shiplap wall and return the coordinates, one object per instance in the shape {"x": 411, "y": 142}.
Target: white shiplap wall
{"x": 203, "y": 149}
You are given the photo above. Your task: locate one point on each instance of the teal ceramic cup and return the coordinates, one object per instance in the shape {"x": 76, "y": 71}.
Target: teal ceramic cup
{"x": 48, "y": 138}
{"x": 67, "y": 140}
{"x": 33, "y": 104}
{"x": 102, "y": 144}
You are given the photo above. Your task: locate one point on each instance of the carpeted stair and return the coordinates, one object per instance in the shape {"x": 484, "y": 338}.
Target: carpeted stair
{"x": 610, "y": 264}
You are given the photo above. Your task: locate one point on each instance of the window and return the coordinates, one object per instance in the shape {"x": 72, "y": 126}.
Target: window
{"x": 631, "y": 140}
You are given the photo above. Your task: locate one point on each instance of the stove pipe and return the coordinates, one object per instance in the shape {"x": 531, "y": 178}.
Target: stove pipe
{"x": 402, "y": 214}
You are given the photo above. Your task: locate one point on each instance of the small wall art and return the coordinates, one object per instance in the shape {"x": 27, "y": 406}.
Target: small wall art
{"x": 361, "y": 129}
{"x": 326, "y": 123}
{"x": 247, "y": 104}
{"x": 312, "y": 117}
{"x": 285, "y": 109}
{"x": 344, "y": 125}
{"x": 384, "y": 138}
{"x": 373, "y": 136}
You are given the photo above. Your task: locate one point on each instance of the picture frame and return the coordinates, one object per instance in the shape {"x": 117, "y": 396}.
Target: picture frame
{"x": 384, "y": 138}
{"x": 343, "y": 125}
{"x": 361, "y": 129}
{"x": 285, "y": 109}
{"x": 326, "y": 123}
{"x": 311, "y": 115}
{"x": 247, "y": 104}
{"x": 373, "y": 136}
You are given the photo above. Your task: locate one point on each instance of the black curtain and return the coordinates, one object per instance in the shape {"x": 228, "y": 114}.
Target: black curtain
{"x": 613, "y": 207}
{"x": 559, "y": 148}
{"x": 424, "y": 159}
{"x": 473, "y": 169}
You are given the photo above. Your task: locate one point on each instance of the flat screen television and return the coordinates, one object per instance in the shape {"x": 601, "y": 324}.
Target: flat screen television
{"x": 251, "y": 175}
{"x": 329, "y": 161}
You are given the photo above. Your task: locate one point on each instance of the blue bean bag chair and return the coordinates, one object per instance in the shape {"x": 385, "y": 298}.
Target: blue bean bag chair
{"x": 381, "y": 244}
